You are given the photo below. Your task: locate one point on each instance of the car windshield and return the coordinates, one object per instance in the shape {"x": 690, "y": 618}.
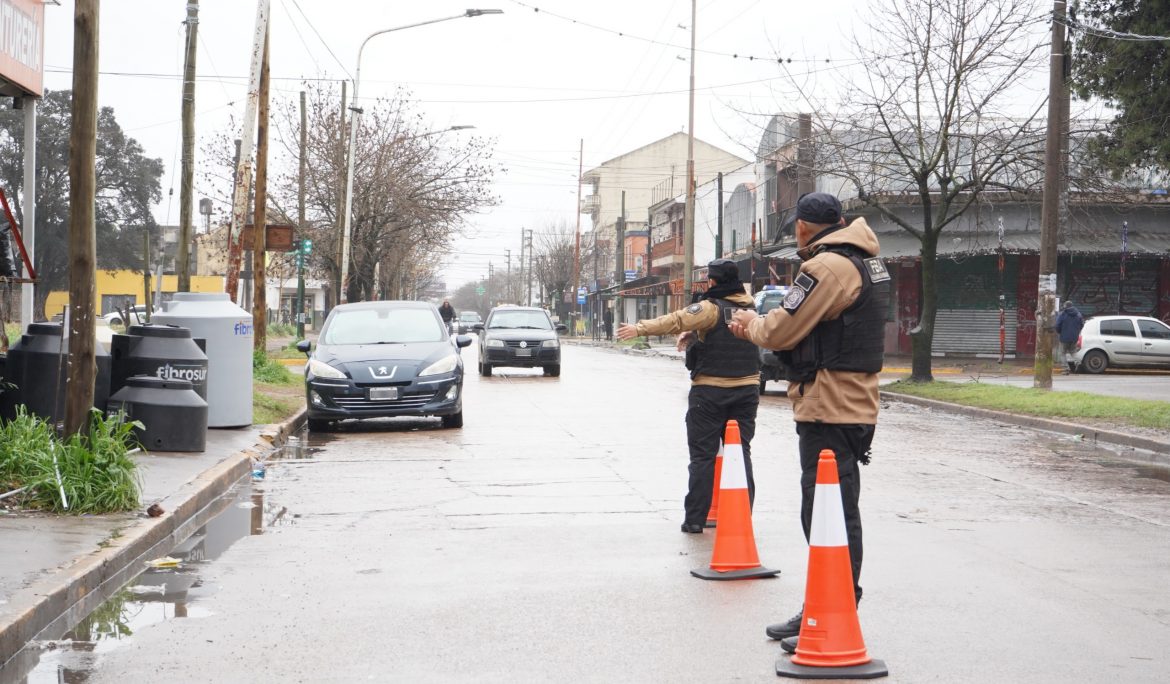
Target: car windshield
{"x": 770, "y": 301}
{"x": 536, "y": 320}
{"x": 469, "y": 316}
{"x": 382, "y": 326}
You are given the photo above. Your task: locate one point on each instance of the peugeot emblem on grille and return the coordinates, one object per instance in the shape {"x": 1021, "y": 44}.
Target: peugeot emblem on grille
{"x": 523, "y": 344}
{"x": 382, "y": 372}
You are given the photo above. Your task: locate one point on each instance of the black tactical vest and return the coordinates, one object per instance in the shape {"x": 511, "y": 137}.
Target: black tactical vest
{"x": 722, "y": 354}
{"x": 855, "y": 340}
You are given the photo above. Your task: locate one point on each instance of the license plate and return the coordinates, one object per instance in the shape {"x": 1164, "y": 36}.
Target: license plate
{"x": 523, "y": 352}
{"x": 383, "y": 393}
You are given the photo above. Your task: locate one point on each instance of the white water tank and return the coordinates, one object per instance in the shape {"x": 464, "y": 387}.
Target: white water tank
{"x": 228, "y": 331}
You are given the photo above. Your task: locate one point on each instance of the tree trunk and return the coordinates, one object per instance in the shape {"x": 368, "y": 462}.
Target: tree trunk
{"x": 922, "y": 337}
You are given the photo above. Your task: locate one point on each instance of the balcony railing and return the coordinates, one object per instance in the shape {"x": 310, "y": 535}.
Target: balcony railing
{"x": 590, "y": 204}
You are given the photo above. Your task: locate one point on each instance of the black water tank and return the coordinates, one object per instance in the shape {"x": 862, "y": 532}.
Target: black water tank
{"x": 38, "y": 364}
{"x": 160, "y": 351}
{"x": 173, "y": 415}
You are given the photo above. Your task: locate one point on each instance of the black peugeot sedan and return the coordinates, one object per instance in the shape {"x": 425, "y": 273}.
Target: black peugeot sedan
{"x": 519, "y": 336}
{"x": 384, "y": 359}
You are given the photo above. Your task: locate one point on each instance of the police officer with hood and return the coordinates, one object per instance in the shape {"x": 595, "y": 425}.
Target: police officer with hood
{"x": 725, "y": 380}
{"x": 831, "y": 329}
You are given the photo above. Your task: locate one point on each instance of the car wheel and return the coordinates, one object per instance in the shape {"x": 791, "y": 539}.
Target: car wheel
{"x": 485, "y": 369}
{"x": 1095, "y": 361}
{"x": 553, "y": 371}
{"x": 455, "y": 420}
{"x": 318, "y": 425}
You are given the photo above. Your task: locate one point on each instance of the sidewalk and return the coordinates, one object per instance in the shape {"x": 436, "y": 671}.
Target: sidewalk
{"x": 898, "y": 367}
{"x": 56, "y": 569}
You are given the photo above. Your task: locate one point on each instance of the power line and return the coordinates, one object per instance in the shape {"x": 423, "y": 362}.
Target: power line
{"x": 1111, "y": 34}
{"x": 318, "y": 34}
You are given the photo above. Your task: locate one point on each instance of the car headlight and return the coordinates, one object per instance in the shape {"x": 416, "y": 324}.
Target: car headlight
{"x": 550, "y": 344}
{"x": 324, "y": 370}
{"x": 495, "y": 343}
{"x": 443, "y": 365}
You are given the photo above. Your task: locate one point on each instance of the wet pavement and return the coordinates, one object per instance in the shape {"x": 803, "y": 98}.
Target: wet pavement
{"x": 541, "y": 541}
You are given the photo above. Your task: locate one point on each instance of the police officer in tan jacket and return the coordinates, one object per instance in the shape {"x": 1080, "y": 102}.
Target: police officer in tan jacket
{"x": 830, "y": 330}
{"x": 725, "y": 380}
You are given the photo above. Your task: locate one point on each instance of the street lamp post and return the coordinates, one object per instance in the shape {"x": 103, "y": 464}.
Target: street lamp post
{"x": 353, "y": 128}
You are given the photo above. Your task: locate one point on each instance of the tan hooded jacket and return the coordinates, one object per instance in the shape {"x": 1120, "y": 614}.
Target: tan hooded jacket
{"x": 842, "y": 397}
{"x": 700, "y": 318}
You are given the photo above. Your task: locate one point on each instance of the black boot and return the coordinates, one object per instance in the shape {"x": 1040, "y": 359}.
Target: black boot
{"x": 783, "y": 630}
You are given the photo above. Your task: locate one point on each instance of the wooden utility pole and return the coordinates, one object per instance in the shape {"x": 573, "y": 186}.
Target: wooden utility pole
{"x": 719, "y": 216}
{"x": 300, "y": 314}
{"x": 1050, "y": 209}
{"x": 260, "y": 216}
{"x": 130, "y": 317}
{"x": 82, "y": 199}
{"x": 187, "y": 174}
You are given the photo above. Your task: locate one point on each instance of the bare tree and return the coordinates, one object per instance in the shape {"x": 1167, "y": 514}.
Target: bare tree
{"x": 931, "y": 122}
{"x": 554, "y": 263}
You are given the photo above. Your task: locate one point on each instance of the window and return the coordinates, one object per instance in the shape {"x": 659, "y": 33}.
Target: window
{"x": 533, "y": 320}
{"x": 1154, "y": 330}
{"x": 383, "y": 326}
{"x": 1118, "y": 327}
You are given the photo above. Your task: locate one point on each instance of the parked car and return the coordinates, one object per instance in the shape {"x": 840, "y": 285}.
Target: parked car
{"x": 770, "y": 366}
{"x": 519, "y": 336}
{"x": 466, "y": 321}
{"x": 1122, "y": 341}
{"x": 137, "y": 316}
{"x": 384, "y": 359}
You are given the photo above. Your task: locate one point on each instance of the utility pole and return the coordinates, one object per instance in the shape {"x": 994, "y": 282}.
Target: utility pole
{"x": 520, "y": 264}
{"x": 300, "y": 317}
{"x": 577, "y": 245}
{"x": 79, "y": 388}
{"x": 620, "y": 251}
{"x": 187, "y": 173}
{"x": 260, "y": 216}
{"x": 341, "y": 160}
{"x": 145, "y": 276}
{"x": 689, "y": 218}
{"x": 491, "y": 275}
{"x": 719, "y": 216}
{"x": 529, "y": 267}
{"x": 1050, "y": 209}
{"x": 243, "y": 172}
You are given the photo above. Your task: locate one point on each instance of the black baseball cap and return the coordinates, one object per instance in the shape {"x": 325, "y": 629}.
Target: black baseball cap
{"x": 723, "y": 271}
{"x": 819, "y": 207}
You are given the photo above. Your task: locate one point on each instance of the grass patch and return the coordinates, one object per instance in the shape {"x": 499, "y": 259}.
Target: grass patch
{"x": 1036, "y": 402}
{"x": 282, "y": 330}
{"x": 274, "y": 403}
{"x": 267, "y": 370}
{"x": 96, "y": 471}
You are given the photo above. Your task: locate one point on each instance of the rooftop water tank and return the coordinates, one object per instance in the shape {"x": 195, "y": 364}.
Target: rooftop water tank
{"x": 227, "y": 330}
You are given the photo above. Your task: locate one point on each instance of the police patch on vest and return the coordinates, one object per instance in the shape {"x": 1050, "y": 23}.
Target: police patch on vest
{"x": 802, "y": 285}
{"x": 877, "y": 270}
{"x": 694, "y": 308}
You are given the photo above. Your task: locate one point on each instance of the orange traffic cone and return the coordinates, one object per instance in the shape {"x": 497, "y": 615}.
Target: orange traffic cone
{"x": 734, "y": 555}
{"x": 713, "y": 512}
{"x": 830, "y": 644}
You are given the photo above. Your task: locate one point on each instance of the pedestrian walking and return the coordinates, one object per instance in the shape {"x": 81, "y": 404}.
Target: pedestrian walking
{"x": 447, "y": 313}
{"x": 725, "y": 379}
{"x": 1069, "y": 323}
{"x": 831, "y": 329}
{"x": 607, "y": 321}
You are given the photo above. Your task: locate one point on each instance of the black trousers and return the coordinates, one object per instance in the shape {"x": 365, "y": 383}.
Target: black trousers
{"x": 848, "y": 442}
{"x": 708, "y": 410}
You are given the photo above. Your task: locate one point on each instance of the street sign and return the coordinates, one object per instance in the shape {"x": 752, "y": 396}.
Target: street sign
{"x": 581, "y": 291}
{"x": 630, "y": 275}
{"x": 479, "y": 291}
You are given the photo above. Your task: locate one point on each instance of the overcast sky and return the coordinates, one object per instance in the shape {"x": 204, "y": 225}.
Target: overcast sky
{"x": 611, "y": 72}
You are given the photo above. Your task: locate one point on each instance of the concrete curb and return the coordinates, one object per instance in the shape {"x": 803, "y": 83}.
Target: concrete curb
{"x": 53, "y": 604}
{"x": 1160, "y": 450}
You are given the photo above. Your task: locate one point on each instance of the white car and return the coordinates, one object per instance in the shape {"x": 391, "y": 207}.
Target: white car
{"x": 1122, "y": 341}
{"x": 137, "y": 316}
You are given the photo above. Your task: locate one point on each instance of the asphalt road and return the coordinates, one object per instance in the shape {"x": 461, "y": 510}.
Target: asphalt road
{"x": 541, "y": 543}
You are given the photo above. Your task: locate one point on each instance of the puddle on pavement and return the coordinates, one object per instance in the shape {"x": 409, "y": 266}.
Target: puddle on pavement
{"x": 154, "y": 596}
{"x": 1151, "y": 471}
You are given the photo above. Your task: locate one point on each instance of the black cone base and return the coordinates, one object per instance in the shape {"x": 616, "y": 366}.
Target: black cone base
{"x": 871, "y": 670}
{"x": 747, "y": 573}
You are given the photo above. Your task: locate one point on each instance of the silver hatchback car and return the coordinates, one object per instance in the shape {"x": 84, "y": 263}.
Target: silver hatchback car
{"x": 1123, "y": 341}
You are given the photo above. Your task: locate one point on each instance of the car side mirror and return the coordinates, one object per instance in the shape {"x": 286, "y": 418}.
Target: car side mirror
{"x": 478, "y": 327}
{"x": 561, "y": 327}
{"x": 304, "y": 346}
{"x": 462, "y": 341}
